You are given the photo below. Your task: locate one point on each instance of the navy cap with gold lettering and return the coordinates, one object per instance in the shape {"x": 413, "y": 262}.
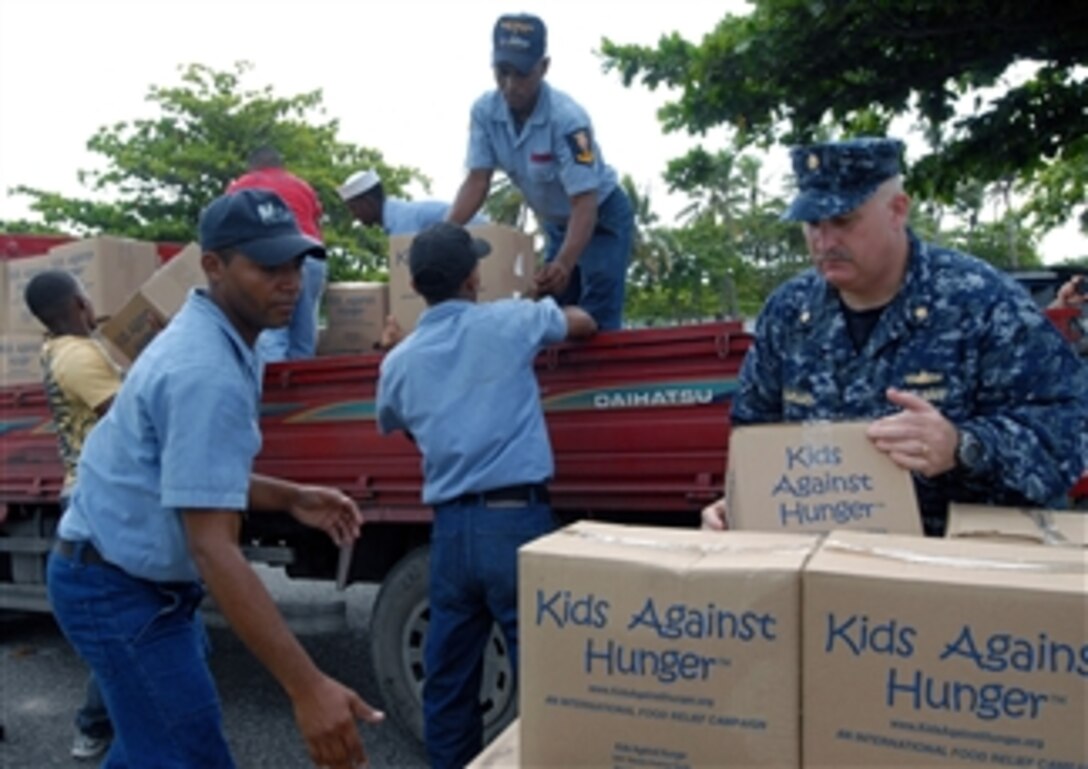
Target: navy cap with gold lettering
{"x": 834, "y": 178}
{"x": 520, "y": 40}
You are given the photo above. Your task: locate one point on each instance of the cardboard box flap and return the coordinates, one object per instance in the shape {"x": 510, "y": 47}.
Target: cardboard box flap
{"x": 1018, "y": 524}
{"x": 927, "y": 560}
{"x": 168, "y": 288}
{"x": 504, "y": 752}
{"x": 674, "y": 549}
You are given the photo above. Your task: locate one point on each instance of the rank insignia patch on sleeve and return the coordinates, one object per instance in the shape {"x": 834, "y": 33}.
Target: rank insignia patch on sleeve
{"x": 581, "y": 146}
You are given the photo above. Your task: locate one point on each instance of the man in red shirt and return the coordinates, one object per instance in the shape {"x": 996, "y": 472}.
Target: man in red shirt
{"x": 299, "y": 338}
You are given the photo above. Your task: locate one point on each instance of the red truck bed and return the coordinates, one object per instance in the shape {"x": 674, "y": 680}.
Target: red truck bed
{"x": 638, "y": 421}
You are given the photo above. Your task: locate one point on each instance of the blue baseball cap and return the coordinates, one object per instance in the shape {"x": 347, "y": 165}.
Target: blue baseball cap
{"x": 259, "y": 224}
{"x": 520, "y": 40}
{"x": 442, "y": 256}
{"x": 834, "y": 178}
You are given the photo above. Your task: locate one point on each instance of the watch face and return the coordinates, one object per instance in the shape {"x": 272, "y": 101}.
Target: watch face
{"x": 969, "y": 451}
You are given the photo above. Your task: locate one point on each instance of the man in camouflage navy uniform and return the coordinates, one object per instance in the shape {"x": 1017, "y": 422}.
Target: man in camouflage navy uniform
{"x": 969, "y": 385}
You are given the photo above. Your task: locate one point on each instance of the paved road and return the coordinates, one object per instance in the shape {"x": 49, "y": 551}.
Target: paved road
{"x": 41, "y": 682}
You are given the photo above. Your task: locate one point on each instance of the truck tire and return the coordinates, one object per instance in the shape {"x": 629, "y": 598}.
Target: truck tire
{"x": 398, "y": 627}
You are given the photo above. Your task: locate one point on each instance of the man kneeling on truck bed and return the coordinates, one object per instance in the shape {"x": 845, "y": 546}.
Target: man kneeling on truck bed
{"x": 970, "y": 386}
{"x": 462, "y": 385}
{"x": 162, "y": 481}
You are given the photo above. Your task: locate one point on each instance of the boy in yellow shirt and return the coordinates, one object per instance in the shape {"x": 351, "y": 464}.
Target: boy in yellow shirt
{"x": 80, "y": 381}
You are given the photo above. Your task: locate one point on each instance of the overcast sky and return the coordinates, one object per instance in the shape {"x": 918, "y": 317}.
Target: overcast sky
{"x": 400, "y": 76}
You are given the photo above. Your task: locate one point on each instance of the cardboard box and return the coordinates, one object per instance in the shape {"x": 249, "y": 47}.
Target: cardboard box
{"x": 671, "y": 646}
{"x": 169, "y": 286}
{"x": 355, "y": 314}
{"x": 18, "y": 319}
{"x": 133, "y": 327}
{"x": 150, "y": 308}
{"x": 20, "y": 359}
{"x": 815, "y": 477}
{"x": 344, "y": 342}
{"x": 507, "y": 272}
{"x": 930, "y": 652}
{"x": 110, "y": 270}
{"x": 4, "y": 295}
{"x": 1018, "y": 524}
{"x": 504, "y": 752}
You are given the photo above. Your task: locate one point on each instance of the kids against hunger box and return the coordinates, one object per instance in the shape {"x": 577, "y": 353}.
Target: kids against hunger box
{"x": 155, "y": 302}
{"x": 505, "y": 273}
{"x": 658, "y": 647}
{"x": 815, "y": 477}
{"x": 935, "y": 652}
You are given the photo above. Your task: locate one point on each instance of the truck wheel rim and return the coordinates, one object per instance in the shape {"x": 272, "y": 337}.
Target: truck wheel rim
{"x": 497, "y": 688}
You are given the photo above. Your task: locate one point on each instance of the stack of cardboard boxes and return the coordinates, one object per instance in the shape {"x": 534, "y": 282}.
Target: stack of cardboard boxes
{"x": 109, "y": 268}
{"x": 355, "y": 312}
{"x": 805, "y": 641}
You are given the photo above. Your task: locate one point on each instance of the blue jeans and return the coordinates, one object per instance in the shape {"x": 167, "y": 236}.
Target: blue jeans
{"x": 473, "y": 583}
{"x": 147, "y": 647}
{"x": 91, "y": 718}
{"x": 599, "y": 281}
{"x": 298, "y": 339}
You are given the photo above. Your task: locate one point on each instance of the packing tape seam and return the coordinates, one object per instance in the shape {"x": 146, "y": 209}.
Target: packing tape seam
{"x": 959, "y": 562}
{"x": 700, "y": 549}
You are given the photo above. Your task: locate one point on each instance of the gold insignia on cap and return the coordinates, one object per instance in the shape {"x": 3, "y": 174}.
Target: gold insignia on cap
{"x": 921, "y": 313}
{"x": 813, "y": 161}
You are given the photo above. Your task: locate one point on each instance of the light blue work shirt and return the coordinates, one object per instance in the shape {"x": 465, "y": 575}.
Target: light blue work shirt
{"x": 555, "y": 157}
{"x": 463, "y": 385}
{"x": 182, "y": 433}
{"x": 407, "y": 217}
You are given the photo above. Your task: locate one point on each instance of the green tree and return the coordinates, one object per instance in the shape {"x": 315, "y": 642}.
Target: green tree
{"x": 997, "y": 86}
{"x": 505, "y": 204}
{"x": 748, "y": 251}
{"x": 160, "y": 171}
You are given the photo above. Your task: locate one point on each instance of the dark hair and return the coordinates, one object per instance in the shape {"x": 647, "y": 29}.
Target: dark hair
{"x": 376, "y": 193}
{"x": 48, "y": 295}
{"x": 264, "y": 156}
{"x": 433, "y": 296}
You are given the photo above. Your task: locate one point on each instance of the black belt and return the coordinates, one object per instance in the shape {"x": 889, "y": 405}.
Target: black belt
{"x": 527, "y": 493}
{"x": 80, "y": 552}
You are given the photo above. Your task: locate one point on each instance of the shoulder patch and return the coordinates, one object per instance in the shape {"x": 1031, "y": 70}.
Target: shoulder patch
{"x": 581, "y": 146}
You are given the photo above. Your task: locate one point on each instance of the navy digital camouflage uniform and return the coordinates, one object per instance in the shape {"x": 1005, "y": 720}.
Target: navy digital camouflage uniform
{"x": 960, "y": 334}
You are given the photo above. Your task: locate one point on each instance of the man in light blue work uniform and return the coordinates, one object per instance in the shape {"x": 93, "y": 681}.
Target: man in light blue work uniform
{"x": 163, "y": 480}
{"x": 544, "y": 141}
{"x": 967, "y": 384}
{"x": 365, "y": 197}
{"x": 462, "y": 385}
